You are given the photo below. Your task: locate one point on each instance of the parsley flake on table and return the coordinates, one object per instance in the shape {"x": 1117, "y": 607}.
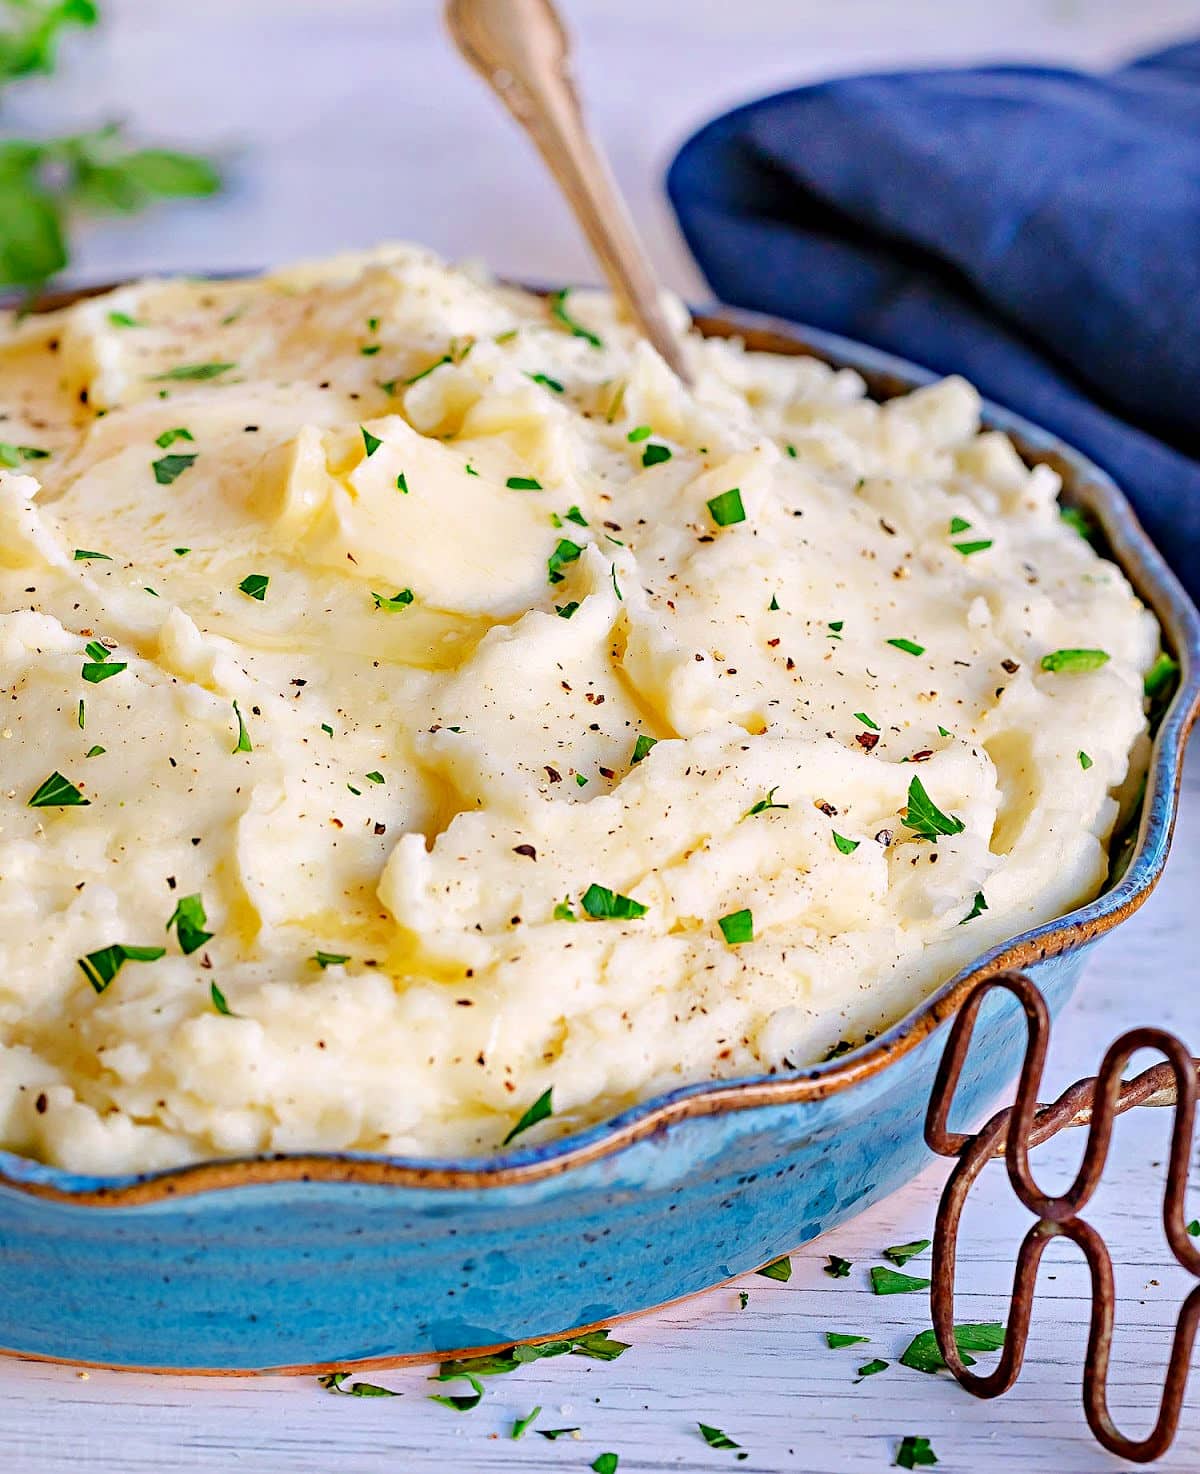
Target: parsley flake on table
{"x": 978, "y": 907}
{"x": 835, "y": 1340}
{"x": 654, "y": 454}
{"x": 910, "y": 647}
{"x": 401, "y": 599}
{"x": 169, "y": 468}
{"x": 838, "y": 1268}
{"x": 101, "y": 967}
{"x": 778, "y": 1269}
{"x": 606, "y": 1463}
{"x": 192, "y": 372}
{"x": 1194, "y": 1228}
{"x": 558, "y": 310}
{"x": 371, "y": 443}
{"x": 639, "y": 432}
{"x": 169, "y": 437}
{"x": 845, "y": 846}
{"x": 715, "y": 1438}
{"x": 547, "y": 382}
{"x": 254, "y": 586}
{"x": 641, "y": 748}
{"x": 871, "y": 1368}
{"x": 540, "y": 1110}
{"x": 461, "y": 1402}
{"x": 1074, "y": 660}
{"x": 886, "y": 1281}
{"x": 901, "y": 1253}
{"x": 913, "y": 1451}
{"x": 727, "y": 510}
{"x": 330, "y": 959}
{"x": 218, "y": 1001}
{"x": 603, "y": 904}
{"x": 338, "y": 1382}
{"x": 743, "y": 1299}
{"x": 565, "y": 552}
{"x": 924, "y": 817}
{"x": 84, "y": 554}
{"x": 737, "y": 927}
{"x": 520, "y": 1424}
{"x": 555, "y": 1433}
{"x": 188, "y": 919}
{"x": 596, "y": 1345}
{"x": 523, "y": 483}
{"x": 243, "y": 736}
{"x": 760, "y": 806}
{"x": 923, "y": 1355}
{"x": 57, "y": 792}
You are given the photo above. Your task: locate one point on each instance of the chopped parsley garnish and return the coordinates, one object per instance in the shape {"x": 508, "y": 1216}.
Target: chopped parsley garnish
{"x": 401, "y": 599}
{"x": 978, "y": 907}
{"x": 554, "y": 1433}
{"x": 1073, "y": 517}
{"x": 838, "y": 1268}
{"x": 639, "y": 432}
{"x": 390, "y": 386}
{"x": 254, "y": 586}
{"x": 520, "y": 1424}
{"x": 981, "y": 545}
{"x": 218, "y": 1000}
{"x": 169, "y": 437}
{"x": 402, "y": 483}
{"x": 743, "y": 1299}
{"x": 181, "y": 552}
{"x": 193, "y": 372}
{"x": 564, "y": 611}
{"x": 188, "y": 919}
{"x": 872, "y": 1367}
{"x": 95, "y": 751}
{"x": 1074, "y": 660}
{"x": 101, "y": 967}
{"x": 122, "y": 320}
{"x": 168, "y": 468}
{"x": 886, "y": 1281}
{"x": 616, "y": 586}
{"x": 523, "y": 483}
{"x": 565, "y": 552}
{"x": 371, "y": 443}
{"x": 57, "y": 792}
{"x": 547, "y": 382}
{"x": 563, "y": 912}
{"x": 337, "y": 1382}
{"x": 942, "y": 732}
{"x": 376, "y": 777}
{"x": 327, "y": 729}
{"x": 605, "y": 905}
{"x": 655, "y": 453}
{"x": 558, "y": 310}
{"x": 773, "y": 606}
{"x": 778, "y": 1269}
{"x": 845, "y": 846}
{"x": 100, "y": 667}
{"x": 924, "y": 817}
{"x": 760, "y": 806}
{"x": 573, "y": 514}
{"x": 80, "y": 714}
{"x": 957, "y": 525}
{"x": 861, "y": 716}
{"x": 580, "y": 780}
{"x": 542, "y": 1108}
{"x": 715, "y": 1438}
{"x": 330, "y": 959}
{"x": 641, "y": 747}
{"x": 1194, "y": 1228}
{"x": 597, "y": 1345}
{"x": 737, "y": 927}
{"x": 12, "y": 455}
{"x": 369, "y": 350}
{"x": 910, "y": 647}
{"x": 727, "y": 508}
{"x": 913, "y": 1451}
{"x": 791, "y": 450}
{"x": 606, "y": 1463}
{"x": 1159, "y": 678}
{"x": 243, "y": 738}
{"x": 460, "y": 1402}
{"x": 837, "y": 1339}
{"x": 901, "y": 1253}
{"x": 1085, "y": 762}
{"x": 835, "y": 627}
{"x": 82, "y": 554}
{"x": 922, "y": 1353}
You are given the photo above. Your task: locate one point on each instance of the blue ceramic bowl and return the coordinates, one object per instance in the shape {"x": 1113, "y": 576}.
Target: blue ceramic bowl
{"x": 303, "y": 1262}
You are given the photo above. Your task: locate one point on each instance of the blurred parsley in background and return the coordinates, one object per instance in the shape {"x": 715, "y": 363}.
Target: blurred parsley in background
{"x": 45, "y": 182}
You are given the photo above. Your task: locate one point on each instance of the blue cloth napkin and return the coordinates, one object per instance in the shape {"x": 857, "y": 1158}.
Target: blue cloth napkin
{"x": 1036, "y": 230}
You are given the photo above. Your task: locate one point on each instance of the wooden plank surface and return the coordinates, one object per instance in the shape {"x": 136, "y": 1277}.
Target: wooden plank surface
{"x": 348, "y": 122}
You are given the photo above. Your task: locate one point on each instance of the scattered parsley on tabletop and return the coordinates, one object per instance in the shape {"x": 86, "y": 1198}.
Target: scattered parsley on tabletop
{"x": 837, "y": 1339}
{"x": 338, "y": 1382}
{"x": 606, "y": 1463}
{"x": 778, "y": 1269}
{"x": 901, "y": 1253}
{"x": 715, "y": 1438}
{"x": 886, "y": 1281}
{"x": 922, "y": 1353}
{"x": 520, "y": 1424}
{"x": 838, "y": 1268}
{"x": 914, "y": 1451}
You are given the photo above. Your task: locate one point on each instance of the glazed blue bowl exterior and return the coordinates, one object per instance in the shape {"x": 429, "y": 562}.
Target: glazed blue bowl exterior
{"x": 302, "y": 1262}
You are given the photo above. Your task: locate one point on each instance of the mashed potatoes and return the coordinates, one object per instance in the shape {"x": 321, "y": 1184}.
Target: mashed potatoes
{"x": 415, "y": 702}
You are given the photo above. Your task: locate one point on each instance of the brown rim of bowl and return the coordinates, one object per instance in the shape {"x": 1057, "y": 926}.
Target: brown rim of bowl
{"x": 1084, "y": 485}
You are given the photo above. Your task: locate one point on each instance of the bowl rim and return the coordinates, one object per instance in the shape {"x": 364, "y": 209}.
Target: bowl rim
{"x": 1085, "y": 485}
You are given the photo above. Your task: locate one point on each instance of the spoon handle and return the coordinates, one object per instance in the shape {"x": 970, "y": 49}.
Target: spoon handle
{"x": 520, "y": 49}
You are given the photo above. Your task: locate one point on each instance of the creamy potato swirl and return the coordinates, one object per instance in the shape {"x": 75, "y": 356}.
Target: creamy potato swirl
{"x": 466, "y": 711}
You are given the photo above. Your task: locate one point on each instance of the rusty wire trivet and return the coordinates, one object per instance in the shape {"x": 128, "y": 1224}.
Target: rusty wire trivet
{"x": 1094, "y": 1103}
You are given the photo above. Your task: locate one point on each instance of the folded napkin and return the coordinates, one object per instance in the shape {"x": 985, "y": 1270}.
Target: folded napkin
{"x": 1036, "y": 230}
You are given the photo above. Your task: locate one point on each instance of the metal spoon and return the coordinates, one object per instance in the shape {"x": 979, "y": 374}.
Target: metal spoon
{"x": 520, "y": 49}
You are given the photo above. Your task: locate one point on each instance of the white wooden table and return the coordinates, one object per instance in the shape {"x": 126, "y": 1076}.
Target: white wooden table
{"x": 347, "y": 121}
